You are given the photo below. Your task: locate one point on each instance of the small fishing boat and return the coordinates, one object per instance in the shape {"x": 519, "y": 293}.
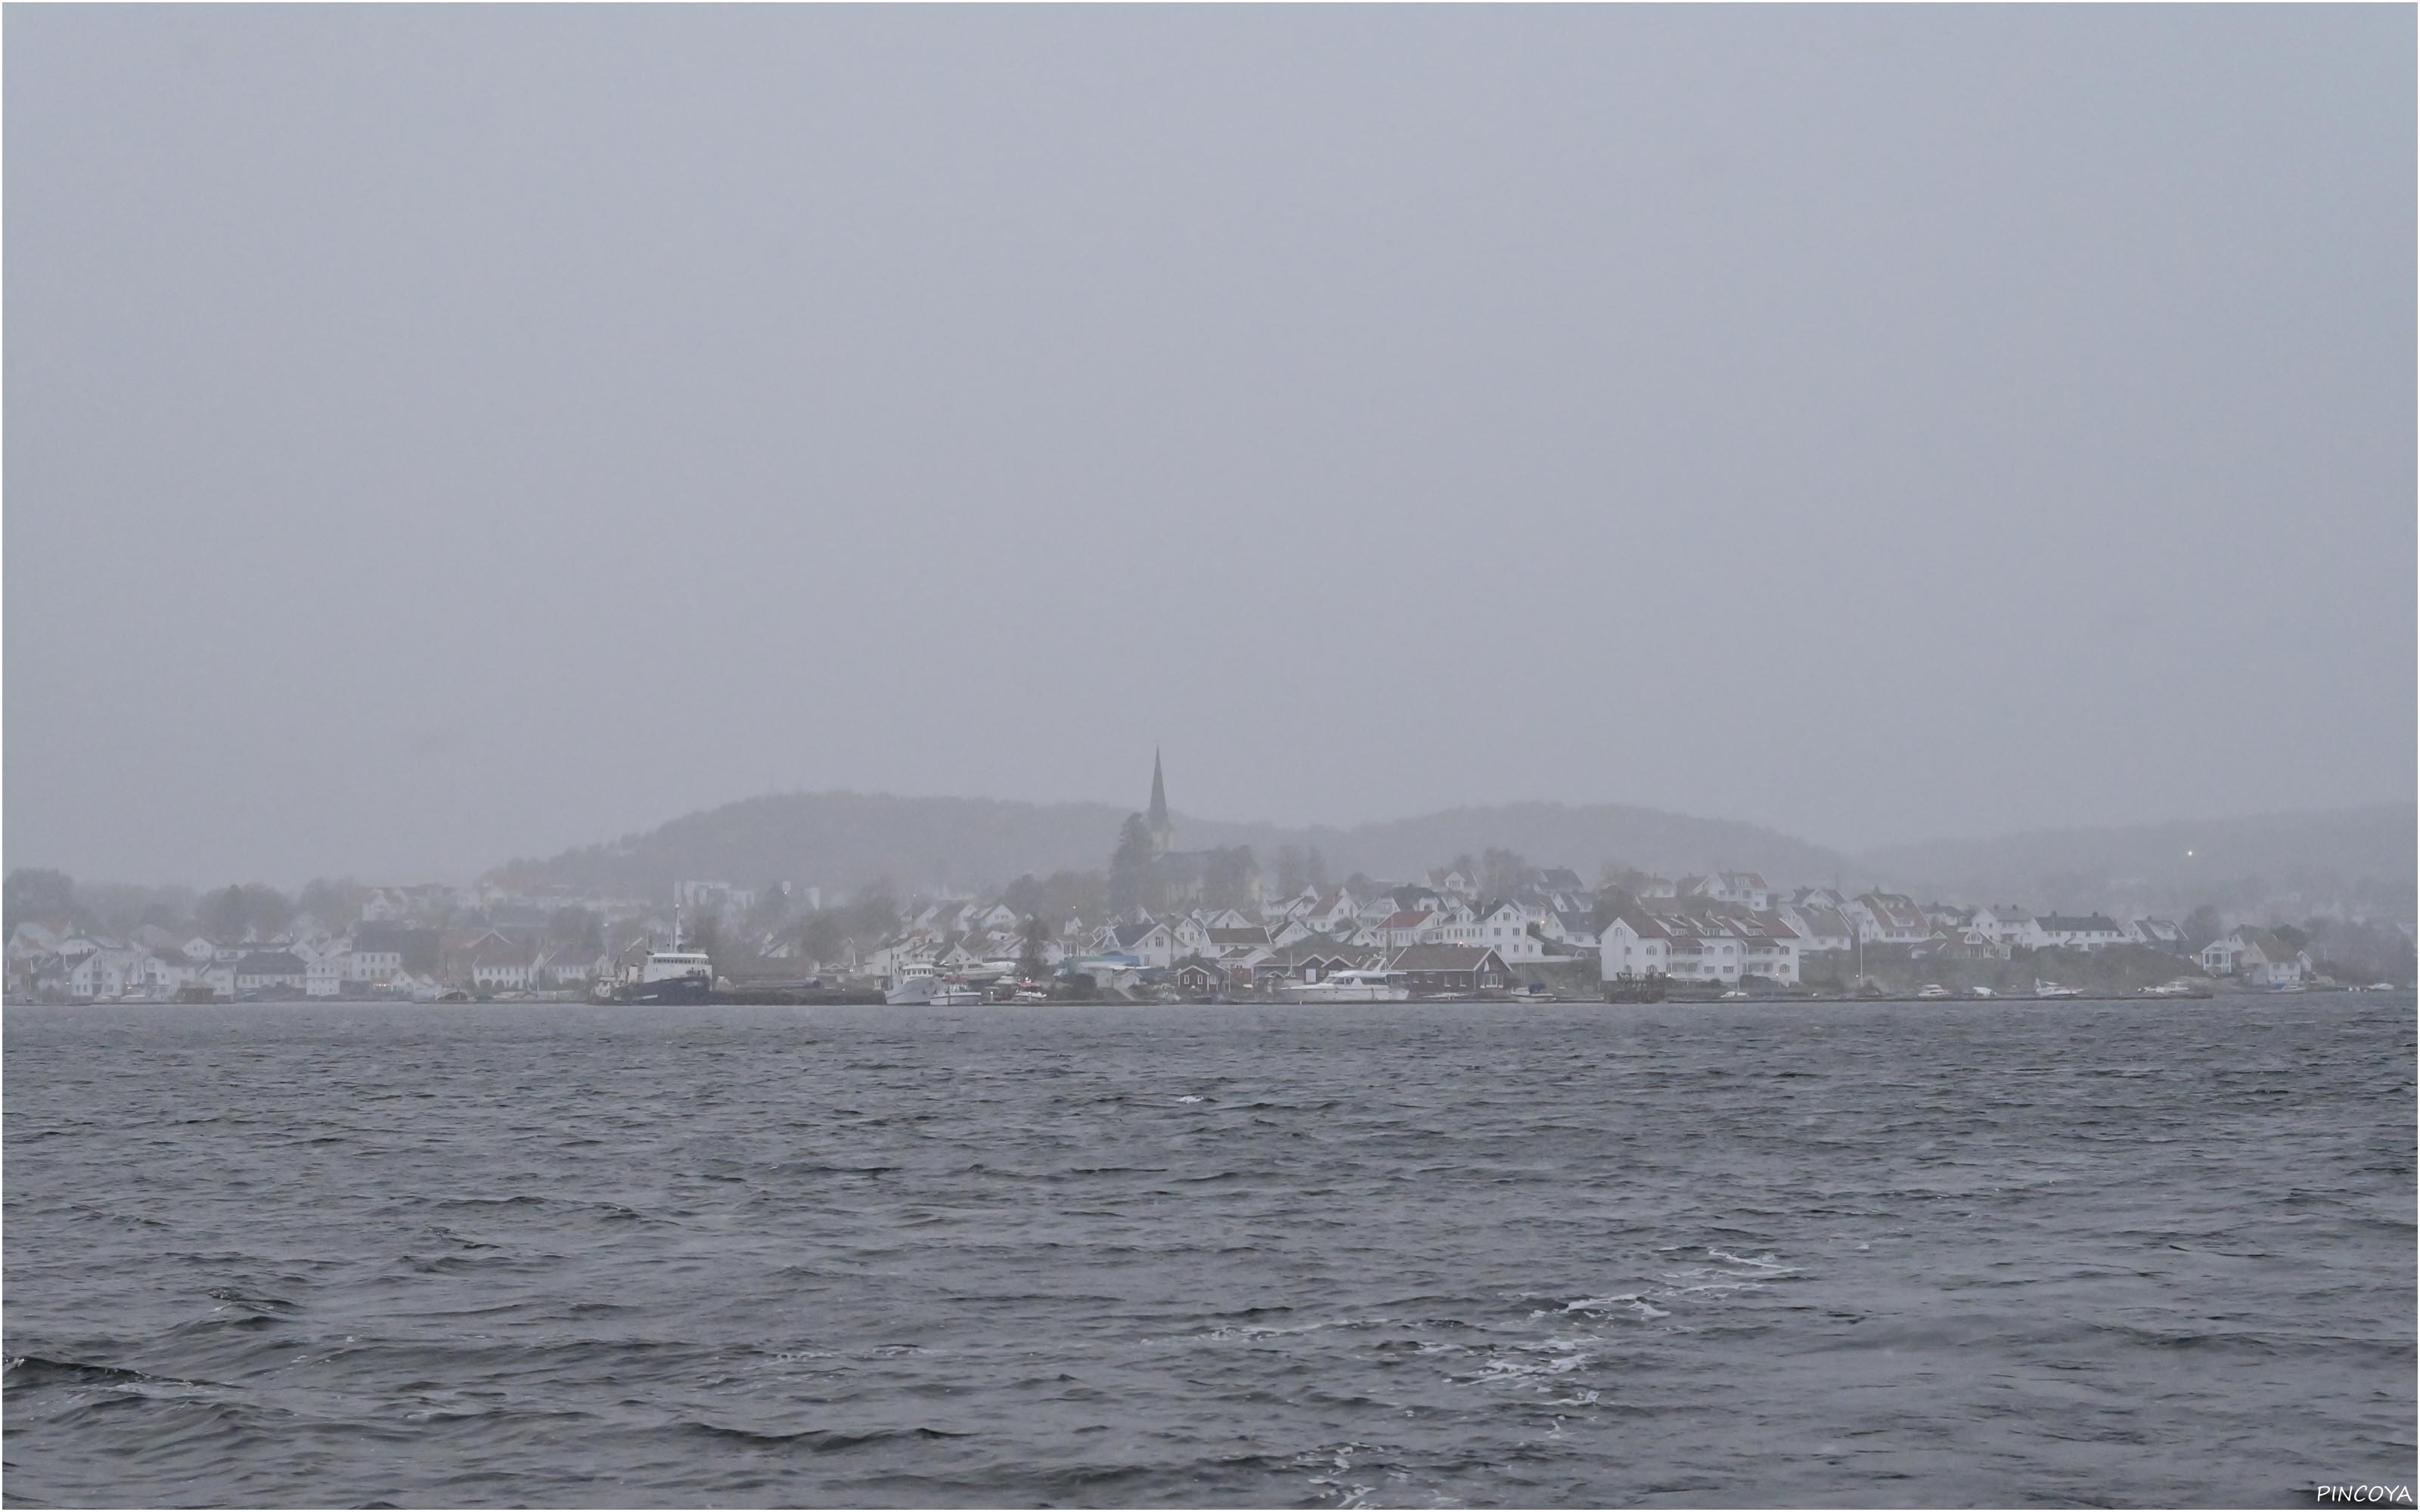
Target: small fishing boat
{"x": 2052, "y": 989}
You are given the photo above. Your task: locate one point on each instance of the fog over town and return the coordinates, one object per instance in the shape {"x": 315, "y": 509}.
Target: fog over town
{"x": 440, "y": 437}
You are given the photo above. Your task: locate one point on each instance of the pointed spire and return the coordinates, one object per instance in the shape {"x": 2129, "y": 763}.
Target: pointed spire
{"x": 1162, "y": 831}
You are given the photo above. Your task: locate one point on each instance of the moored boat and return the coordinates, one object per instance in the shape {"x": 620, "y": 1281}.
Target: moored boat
{"x": 675, "y": 976}
{"x": 924, "y": 987}
{"x": 1350, "y": 987}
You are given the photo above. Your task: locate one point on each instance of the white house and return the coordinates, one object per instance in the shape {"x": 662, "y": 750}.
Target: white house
{"x": 1771, "y": 956}
{"x": 2003, "y": 924}
{"x": 110, "y": 973}
{"x": 999, "y": 916}
{"x": 1289, "y": 932}
{"x": 1455, "y": 923}
{"x": 1714, "y": 947}
{"x": 500, "y": 966}
{"x": 328, "y": 976}
{"x": 30, "y": 939}
{"x": 1503, "y": 927}
{"x": 1335, "y": 910}
{"x": 377, "y": 966}
{"x": 1404, "y": 927}
{"x": 1192, "y": 936}
{"x": 1818, "y": 928}
{"x": 1746, "y": 888}
{"x": 267, "y": 970}
{"x": 2257, "y": 957}
{"x": 2080, "y": 931}
{"x": 1150, "y": 943}
{"x": 2158, "y": 933}
{"x": 1708, "y": 957}
{"x": 1888, "y": 917}
{"x": 79, "y": 944}
{"x": 1572, "y": 929}
{"x": 1633, "y": 945}
{"x": 570, "y": 967}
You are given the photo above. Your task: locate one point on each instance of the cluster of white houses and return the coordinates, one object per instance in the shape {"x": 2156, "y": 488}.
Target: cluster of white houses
{"x": 1723, "y": 927}
{"x": 368, "y": 958}
{"x": 1440, "y": 925}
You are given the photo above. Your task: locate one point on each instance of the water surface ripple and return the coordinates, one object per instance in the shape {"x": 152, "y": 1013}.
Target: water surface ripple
{"x": 1397, "y": 1255}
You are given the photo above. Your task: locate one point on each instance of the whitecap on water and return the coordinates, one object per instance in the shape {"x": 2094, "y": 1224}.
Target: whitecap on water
{"x": 1620, "y": 1302}
{"x": 1762, "y": 1263}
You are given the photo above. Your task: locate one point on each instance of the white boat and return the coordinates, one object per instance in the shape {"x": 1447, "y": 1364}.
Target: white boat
{"x": 1350, "y": 987}
{"x": 675, "y": 976}
{"x": 923, "y": 987}
{"x": 1932, "y": 989}
{"x": 2052, "y": 989}
{"x": 1984, "y": 992}
{"x": 1534, "y": 993}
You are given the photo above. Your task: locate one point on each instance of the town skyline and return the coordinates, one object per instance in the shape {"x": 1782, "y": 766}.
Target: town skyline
{"x": 1220, "y": 917}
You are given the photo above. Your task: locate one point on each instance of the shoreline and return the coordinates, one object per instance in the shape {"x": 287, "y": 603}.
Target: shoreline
{"x": 748, "y": 999}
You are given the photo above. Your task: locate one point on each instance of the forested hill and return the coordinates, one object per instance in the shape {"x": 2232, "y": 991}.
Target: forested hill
{"x": 847, "y": 840}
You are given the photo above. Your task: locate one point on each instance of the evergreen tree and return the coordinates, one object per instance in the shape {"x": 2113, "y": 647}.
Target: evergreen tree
{"x": 1132, "y": 876}
{"x": 34, "y": 892}
{"x": 1036, "y": 935}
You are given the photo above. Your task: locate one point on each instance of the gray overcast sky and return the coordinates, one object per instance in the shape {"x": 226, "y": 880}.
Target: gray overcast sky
{"x": 439, "y": 433}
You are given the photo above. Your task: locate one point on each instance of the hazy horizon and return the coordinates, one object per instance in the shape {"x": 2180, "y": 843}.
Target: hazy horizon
{"x": 437, "y": 436}
{"x": 1183, "y": 816}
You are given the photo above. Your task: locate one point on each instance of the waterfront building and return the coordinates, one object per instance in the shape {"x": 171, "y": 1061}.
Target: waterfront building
{"x": 2080, "y": 931}
{"x": 1450, "y": 970}
{"x": 2257, "y": 957}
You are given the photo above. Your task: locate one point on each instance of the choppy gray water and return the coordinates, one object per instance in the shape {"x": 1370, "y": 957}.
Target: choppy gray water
{"x": 1383, "y": 1255}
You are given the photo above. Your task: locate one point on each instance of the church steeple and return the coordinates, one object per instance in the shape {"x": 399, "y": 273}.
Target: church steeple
{"x": 1163, "y": 833}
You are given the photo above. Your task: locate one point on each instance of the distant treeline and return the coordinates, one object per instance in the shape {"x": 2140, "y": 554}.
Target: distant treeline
{"x": 849, "y": 840}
